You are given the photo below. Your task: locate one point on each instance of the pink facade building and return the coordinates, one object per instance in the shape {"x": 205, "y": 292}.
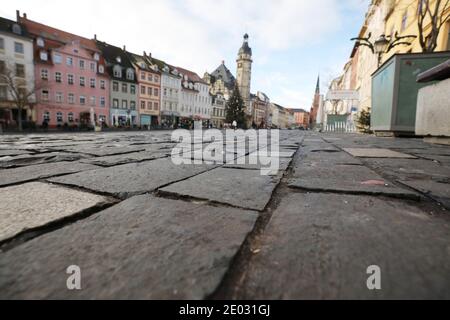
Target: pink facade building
{"x": 71, "y": 80}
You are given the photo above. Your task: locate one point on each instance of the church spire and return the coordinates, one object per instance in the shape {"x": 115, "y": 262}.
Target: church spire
{"x": 318, "y": 85}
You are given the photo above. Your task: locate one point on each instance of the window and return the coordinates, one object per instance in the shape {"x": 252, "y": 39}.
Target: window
{"x": 102, "y": 84}
{"x": 156, "y": 79}
{"x": 133, "y": 105}
{"x": 156, "y": 92}
{"x": 142, "y": 105}
{"x": 92, "y": 66}
{"x": 18, "y": 47}
{"x": 2, "y": 66}
{"x": 82, "y": 100}
{"x": 58, "y": 77}
{"x": 3, "y": 91}
{"x": 133, "y": 89}
{"x": 142, "y": 75}
{"x": 70, "y": 79}
{"x": 102, "y": 101}
{"x": 124, "y": 88}
{"x": 44, "y": 95}
{"x": 124, "y": 104}
{"x": 16, "y": 29}
{"x": 143, "y": 89}
{"x": 130, "y": 74}
{"x": 117, "y": 72}
{"x": 71, "y": 98}
{"x": 93, "y": 83}
{"x": 43, "y": 55}
{"x": 69, "y": 61}
{"x": 115, "y": 86}
{"x": 20, "y": 70}
{"x": 40, "y": 42}
{"x": 59, "y": 117}
{"x": 101, "y": 69}
{"x": 156, "y": 106}
{"x": 150, "y": 77}
{"x": 116, "y": 103}
{"x": 82, "y": 64}
{"x": 96, "y": 57}
{"x": 57, "y": 58}
{"x": 70, "y": 117}
{"x": 2, "y": 43}
{"x": 149, "y": 105}
{"x": 150, "y": 90}
{"x": 165, "y": 92}
{"x": 82, "y": 81}
{"x": 93, "y": 101}
{"x": 44, "y": 74}
{"x": 46, "y": 116}
{"x": 59, "y": 97}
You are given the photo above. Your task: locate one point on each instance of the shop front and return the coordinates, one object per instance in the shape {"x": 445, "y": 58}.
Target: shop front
{"x": 170, "y": 120}
{"x": 124, "y": 118}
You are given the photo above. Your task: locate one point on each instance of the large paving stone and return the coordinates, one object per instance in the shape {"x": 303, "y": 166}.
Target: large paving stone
{"x": 142, "y": 248}
{"x": 101, "y": 151}
{"x": 377, "y": 153}
{"x": 242, "y": 188}
{"x": 6, "y": 153}
{"x": 40, "y": 158}
{"x": 437, "y": 190}
{"x": 115, "y": 160}
{"x": 131, "y": 179}
{"x": 346, "y": 179}
{"x": 31, "y": 205}
{"x": 40, "y": 171}
{"x": 319, "y": 246}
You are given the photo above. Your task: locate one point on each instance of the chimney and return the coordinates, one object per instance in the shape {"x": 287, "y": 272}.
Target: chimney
{"x": 150, "y": 55}
{"x": 95, "y": 37}
{"x": 24, "y": 15}
{"x": 124, "y": 48}
{"x": 145, "y": 54}
{"x": 17, "y": 15}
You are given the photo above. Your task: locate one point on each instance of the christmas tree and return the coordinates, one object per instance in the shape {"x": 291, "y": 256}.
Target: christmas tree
{"x": 363, "y": 121}
{"x": 235, "y": 109}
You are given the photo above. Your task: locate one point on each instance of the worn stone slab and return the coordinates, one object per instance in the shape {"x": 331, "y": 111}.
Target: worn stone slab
{"x": 105, "y": 150}
{"x": 377, "y": 153}
{"x": 319, "y": 246}
{"x": 346, "y": 179}
{"x": 7, "y": 152}
{"x": 261, "y": 162}
{"x": 438, "y": 190}
{"x": 326, "y": 159}
{"x": 142, "y": 248}
{"x": 115, "y": 160}
{"x": 40, "y": 158}
{"x": 36, "y": 204}
{"x": 41, "y": 171}
{"x": 242, "y": 188}
{"x": 131, "y": 179}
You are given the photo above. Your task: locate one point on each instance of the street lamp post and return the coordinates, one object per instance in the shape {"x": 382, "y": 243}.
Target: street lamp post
{"x": 383, "y": 44}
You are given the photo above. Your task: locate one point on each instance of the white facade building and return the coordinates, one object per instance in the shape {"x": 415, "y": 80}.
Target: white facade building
{"x": 16, "y": 57}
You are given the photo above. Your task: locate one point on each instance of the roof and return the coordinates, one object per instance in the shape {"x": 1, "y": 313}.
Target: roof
{"x": 41, "y": 30}
{"x": 6, "y": 25}
{"x": 223, "y": 73}
{"x": 191, "y": 75}
{"x": 245, "y": 49}
{"x": 110, "y": 54}
{"x": 299, "y": 111}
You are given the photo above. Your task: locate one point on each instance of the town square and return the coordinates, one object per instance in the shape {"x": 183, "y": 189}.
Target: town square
{"x": 185, "y": 158}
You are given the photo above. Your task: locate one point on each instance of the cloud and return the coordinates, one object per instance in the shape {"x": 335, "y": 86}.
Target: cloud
{"x": 198, "y": 34}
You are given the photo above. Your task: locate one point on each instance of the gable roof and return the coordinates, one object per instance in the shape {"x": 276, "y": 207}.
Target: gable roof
{"x": 191, "y": 75}
{"x": 223, "y": 73}
{"x": 110, "y": 54}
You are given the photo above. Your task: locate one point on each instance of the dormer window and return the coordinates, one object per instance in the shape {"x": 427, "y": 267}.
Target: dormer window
{"x": 130, "y": 74}
{"x": 16, "y": 29}
{"x": 101, "y": 69}
{"x": 143, "y": 66}
{"x": 96, "y": 57}
{"x": 40, "y": 42}
{"x": 117, "y": 72}
{"x": 119, "y": 60}
{"x": 43, "y": 55}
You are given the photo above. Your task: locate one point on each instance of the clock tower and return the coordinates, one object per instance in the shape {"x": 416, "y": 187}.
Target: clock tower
{"x": 244, "y": 72}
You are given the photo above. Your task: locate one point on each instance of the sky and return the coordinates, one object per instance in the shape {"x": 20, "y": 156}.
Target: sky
{"x": 293, "y": 41}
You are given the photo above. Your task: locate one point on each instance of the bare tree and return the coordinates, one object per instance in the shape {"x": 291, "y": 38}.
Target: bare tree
{"x": 432, "y": 13}
{"x": 20, "y": 89}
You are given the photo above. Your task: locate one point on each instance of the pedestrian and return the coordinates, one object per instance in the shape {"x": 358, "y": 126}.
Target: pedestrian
{"x": 234, "y": 125}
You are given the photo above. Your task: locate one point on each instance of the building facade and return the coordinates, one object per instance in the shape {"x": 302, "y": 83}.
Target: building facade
{"x": 123, "y": 86}
{"x": 170, "y": 95}
{"x": 261, "y": 110}
{"x": 16, "y": 60}
{"x": 149, "y": 93}
{"x": 74, "y": 85}
{"x": 301, "y": 118}
{"x": 221, "y": 81}
{"x": 218, "y": 116}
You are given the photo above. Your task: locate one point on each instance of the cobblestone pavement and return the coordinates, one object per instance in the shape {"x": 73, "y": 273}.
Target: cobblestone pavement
{"x": 141, "y": 227}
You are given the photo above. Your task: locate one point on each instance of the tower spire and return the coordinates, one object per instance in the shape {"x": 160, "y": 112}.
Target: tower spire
{"x": 318, "y": 85}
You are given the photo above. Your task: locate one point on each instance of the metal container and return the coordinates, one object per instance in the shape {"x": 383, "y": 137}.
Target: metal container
{"x": 395, "y": 89}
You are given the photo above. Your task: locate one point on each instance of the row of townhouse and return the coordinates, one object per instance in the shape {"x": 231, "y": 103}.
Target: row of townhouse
{"x": 75, "y": 80}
